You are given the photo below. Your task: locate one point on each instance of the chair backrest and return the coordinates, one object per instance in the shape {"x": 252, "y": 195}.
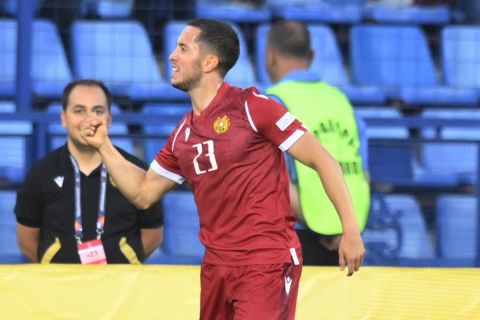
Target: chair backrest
{"x": 108, "y": 8}
{"x": 181, "y": 225}
{"x": 457, "y": 226}
{"x": 397, "y": 222}
{"x": 460, "y": 55}
{"x": 382, "y": 131}
{"x": 173, "y": 114}
{"x": 118, "y": 52}
{"x": 457, "y": 159}
{"x": 50, "y": 69}
{"x": 388, "y": 162}
{"x": 391, "y": 56}
{"x": 327, "y": 57}
{"x": 13, "y": 162}
{"x": 242, "y": 74}
{"x": 11, "y": 6}
{"x": 9, "y": 250}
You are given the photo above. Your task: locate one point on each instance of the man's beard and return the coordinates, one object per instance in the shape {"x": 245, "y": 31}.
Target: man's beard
{"x": 187, "y": 85}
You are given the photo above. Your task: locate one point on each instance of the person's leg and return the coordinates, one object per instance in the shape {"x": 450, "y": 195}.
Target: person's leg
{"x": 265, "y": 291}
{"x": 314, "y": 254}
{"x": 214, "y": 304}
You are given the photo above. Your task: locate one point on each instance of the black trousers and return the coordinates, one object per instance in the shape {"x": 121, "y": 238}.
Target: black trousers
{"x": 315, "y": 254}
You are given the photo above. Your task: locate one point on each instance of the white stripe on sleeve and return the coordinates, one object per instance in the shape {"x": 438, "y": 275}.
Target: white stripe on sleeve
{"x": 285, "y": 145}
{"x": 164, "y": 172}
{"x": 250, "y": 120}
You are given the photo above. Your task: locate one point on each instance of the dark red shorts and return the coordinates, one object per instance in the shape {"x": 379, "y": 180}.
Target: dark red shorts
{"x": 266, "y": 292}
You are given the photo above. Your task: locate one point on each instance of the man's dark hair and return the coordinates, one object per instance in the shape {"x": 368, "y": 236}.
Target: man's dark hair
{"x": 219, "y": 37}
{"x": 290, "y": 39}
{"x": 85, "y": 82}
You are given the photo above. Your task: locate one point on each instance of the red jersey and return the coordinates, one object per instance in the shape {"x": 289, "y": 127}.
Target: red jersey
{"x": 231, "y": 156}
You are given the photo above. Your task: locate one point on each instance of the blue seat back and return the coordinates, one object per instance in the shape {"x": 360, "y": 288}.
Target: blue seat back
{"x": 457, "y": 227}
{"x": 397, "y": 222}
{"x": 460, "y": 54}
{"x": 118, "y": 52}
{"x": 50, "y": 69}
{"x": 181, "y": 225}
{"x": 13, "y": 163}
{"x": 388, "y": 162}
{"x": 173, "y": 114}
{"x": 107, "y": 8}
{"x": 391, "y": 56}
{"x": 9, "y": 250}
{"x": 456, "y": 159}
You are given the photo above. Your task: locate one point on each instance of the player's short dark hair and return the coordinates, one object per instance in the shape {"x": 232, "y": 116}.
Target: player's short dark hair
{"x": 219, "y": 37}
{"x": 290, "y": 39}
{"x": 85, "y": 82}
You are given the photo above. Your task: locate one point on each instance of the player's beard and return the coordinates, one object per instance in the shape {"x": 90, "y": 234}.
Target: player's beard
{"x": 187, "y": 85}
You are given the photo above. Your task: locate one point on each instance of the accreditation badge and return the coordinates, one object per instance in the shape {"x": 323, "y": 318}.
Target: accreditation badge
{"x": 92, "y": 252}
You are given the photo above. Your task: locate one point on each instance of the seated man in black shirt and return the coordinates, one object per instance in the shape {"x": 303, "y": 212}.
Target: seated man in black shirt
{"x": 69, "y": 210}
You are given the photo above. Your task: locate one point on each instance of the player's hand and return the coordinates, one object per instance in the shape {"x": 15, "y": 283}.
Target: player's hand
{"x": 94, "y": 131}
{"x": 351, "y": 252}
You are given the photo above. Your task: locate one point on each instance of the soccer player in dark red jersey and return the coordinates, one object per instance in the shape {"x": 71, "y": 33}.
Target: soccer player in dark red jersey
{"x": 229, "y": 149}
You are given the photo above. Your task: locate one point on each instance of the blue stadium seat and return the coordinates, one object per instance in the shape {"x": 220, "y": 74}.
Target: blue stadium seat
{"x": 330, "y": 11}
{"x": 457, "y": 229}
{"x": 58, "y": 132}
{"x": 227, "y": 10}
{"x": 399, "y": 59}
{"x": 11, "y": 6}
{"x": 172, "y": 114}
{"x": 397, "y": 223}
{"x": 411, "y": 14}
{"x": 107, "y": 8}
{"x": 181, "y": 243}
{"x": 388, "y": 162}
{"x": 460, "y": 55}
{"x": 9, "y": 251}
{"x": 120, "y": 53}
{"x": 13, "y": 143}
{"x": 50, "y": 69}
{"x": 447, "y": 161}
{"x": 327, "y": 61}
{"x": 242, "y": 74}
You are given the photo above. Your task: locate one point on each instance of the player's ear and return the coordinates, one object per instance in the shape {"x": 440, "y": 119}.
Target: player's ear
{"x": 210, "y": 62}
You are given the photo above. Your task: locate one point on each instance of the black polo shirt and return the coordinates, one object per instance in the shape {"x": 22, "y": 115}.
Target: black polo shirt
{"x": 46, "y": 200}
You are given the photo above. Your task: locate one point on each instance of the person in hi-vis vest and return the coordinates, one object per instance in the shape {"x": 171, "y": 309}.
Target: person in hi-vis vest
{"x": 327, "y": 112}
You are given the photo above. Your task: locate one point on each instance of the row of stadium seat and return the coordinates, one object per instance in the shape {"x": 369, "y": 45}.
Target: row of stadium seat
{"x": 449, "y": 161}
{"x": 15, "y": 141}
{"x": 386, "y": 62}
{"x": 324, "y": 11}
{"x": 452, "y": 160}
{"x": 396, "y": 232}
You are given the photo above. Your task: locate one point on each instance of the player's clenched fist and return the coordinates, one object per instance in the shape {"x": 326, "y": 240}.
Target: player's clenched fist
{"x": 94, "y": 130}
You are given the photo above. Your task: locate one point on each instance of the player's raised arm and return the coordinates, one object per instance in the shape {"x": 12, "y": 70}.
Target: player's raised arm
{"x": 311, "y": 153}
{"x": 139, "y": 187}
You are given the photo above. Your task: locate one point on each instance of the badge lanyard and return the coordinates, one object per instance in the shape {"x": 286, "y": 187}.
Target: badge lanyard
{"x": 78, "y": 207}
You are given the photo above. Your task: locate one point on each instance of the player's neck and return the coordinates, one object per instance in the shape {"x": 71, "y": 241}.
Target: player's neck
{"x": 203, "y": 94}
{"x": 88, "y": 159}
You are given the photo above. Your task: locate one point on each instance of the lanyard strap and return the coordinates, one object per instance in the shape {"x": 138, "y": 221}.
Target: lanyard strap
{"x": 78, "y": 206}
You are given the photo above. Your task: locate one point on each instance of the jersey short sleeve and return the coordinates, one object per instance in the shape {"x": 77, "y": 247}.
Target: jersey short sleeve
{"x": 272, "y": 120}
{"x": 165, "y": 162}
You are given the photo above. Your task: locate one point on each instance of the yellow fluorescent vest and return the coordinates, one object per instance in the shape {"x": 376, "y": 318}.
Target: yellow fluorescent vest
{"x": 329, "y": 116}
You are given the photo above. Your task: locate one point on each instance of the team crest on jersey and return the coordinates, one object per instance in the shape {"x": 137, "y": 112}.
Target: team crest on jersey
{"x": 221, "y": 125}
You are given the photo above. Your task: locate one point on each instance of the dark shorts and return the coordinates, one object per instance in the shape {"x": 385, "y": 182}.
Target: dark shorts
{"x": 249, "y": 292}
